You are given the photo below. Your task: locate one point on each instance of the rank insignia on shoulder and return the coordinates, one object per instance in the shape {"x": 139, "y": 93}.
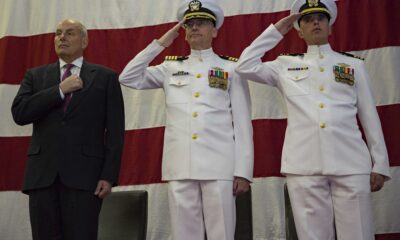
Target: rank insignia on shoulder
{"x": 344, "y": 73}
{"x": 233, "y": 59}
{"x": 351, "y": 55}
{"x": 298, "y": 69}
{"x": 292, "y": 54}
{"x": 175, "y": 58}
{"x": 218, "y": 78}
{"x": 180, "y": 73}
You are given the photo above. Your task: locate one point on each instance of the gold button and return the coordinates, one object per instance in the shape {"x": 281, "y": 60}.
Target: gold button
{"x": 296, "y": 77}
{"x": 321, "y": 88}
{"x": 196, "y": 94}
{"x": 321, "y": 56}
{"x": 194, "y": 136}
{"x": 195, "y": 114}
{"x": 321, "y": 105}
{"x": 198, "y": 75}
{"x": 321, "y": 69}
{"x": 179, "y": 83}
{"x": 322, "y": 125}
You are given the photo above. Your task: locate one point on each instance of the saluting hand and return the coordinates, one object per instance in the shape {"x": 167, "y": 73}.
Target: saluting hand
{"x": 168, "y": 38}
{"x": 286, "y": 24}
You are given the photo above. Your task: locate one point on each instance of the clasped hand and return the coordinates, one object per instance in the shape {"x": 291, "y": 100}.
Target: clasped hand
{"x": 71, "y": 84}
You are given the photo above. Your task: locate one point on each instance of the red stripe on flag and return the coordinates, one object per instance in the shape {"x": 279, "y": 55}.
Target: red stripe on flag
{"x": 370, "y": 26}
{"x": 141, "y": 163}
{"x": 12, "y": 162}
{"x": 390, "y": 236}
{"x": 17, "y": 54}
{"x": 268, "y": 136}
{"x": 367, "y": 25}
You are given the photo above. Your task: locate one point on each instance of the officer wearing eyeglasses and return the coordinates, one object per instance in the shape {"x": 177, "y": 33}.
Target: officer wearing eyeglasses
{"x": 330, "y": 170}
{"x": 208, "y": 142}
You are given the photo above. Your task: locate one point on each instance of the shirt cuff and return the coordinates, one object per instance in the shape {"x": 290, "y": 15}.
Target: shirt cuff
{"x": 61, "y": 94}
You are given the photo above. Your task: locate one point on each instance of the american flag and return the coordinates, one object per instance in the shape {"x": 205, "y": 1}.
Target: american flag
{"x": 118, "y": 30}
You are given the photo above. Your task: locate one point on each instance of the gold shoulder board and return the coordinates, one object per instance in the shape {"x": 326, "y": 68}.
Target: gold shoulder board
{"x": 175, "y": 58}
{"x": 233, "y": 59}
{"x": 292, "y": 54}
{"x": 351, "y": 55}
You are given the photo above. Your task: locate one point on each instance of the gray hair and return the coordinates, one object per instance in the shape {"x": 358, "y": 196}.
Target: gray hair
{"x": 81, "y": 27}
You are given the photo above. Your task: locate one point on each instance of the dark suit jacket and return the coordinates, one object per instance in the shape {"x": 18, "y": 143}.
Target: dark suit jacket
{"x": 82, "y": 145}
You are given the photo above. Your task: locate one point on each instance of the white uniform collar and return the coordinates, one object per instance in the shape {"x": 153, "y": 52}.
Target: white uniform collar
{"x": 318, "y": 49}
{"x": 201, "y": 54}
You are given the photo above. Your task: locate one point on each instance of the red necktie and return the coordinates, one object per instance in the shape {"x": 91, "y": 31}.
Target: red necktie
{"x": 67, "y": 73}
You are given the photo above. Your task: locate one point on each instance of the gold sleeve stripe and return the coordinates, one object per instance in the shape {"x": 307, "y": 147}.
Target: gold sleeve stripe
{"x": 315, "y": 10}
{"x": 199, "y": 14}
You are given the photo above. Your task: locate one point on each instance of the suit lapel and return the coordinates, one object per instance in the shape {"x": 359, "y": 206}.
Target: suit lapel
{"x": 52, "y": 76}
{"x": 87, "y": 74}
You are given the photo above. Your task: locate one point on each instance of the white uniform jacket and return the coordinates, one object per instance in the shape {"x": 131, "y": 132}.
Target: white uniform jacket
{"x": 208, "y": 133}
{"x": 322, "y": 135}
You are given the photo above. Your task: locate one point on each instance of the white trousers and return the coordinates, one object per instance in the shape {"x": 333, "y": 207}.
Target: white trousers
{"x": 199, "y": 206}
{"x": 322, "y": 203}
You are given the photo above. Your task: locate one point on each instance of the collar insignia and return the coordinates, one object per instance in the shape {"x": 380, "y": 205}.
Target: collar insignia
{"x": 313, "y": 3}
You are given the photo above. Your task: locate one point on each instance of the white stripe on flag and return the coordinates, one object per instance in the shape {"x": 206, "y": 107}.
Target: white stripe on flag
{"x": 31, "y": 17}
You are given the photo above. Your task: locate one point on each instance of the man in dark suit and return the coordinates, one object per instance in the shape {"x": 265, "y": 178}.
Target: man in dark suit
{"x": 78, "y": 131}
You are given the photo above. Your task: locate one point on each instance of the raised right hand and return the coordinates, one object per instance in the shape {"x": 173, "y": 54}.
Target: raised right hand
{"x": 71, "y": 84}
{"x": 168, "y": 38}
{"x": 285, "y": 24}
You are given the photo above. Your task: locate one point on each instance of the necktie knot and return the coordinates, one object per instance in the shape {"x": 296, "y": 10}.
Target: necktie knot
{"x": 68, "y": 66}
{"x": 67, "y": 72}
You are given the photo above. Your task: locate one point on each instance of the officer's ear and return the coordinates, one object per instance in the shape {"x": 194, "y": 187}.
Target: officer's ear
{"x": 214, "y": 32}
{"x": 85, "y": 42}
{"x": 300, "y": 33}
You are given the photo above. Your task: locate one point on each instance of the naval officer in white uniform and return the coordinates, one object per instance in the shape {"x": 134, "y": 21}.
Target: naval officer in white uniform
{"x": 330, "y": 169}
{"x": 208, "y": 143}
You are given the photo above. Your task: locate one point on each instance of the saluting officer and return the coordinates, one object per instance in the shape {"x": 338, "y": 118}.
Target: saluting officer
{"x": 330, "y": 170}
{"x": 208, "y": 145}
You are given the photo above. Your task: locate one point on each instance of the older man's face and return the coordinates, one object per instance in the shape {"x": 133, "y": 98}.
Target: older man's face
{"x": 200, "y": 33}
{"x": 69, "y": 41}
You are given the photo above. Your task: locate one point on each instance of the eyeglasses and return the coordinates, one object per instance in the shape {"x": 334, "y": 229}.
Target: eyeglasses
{"x": 198, "y": 22}
{"x": 314, "y": 16}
